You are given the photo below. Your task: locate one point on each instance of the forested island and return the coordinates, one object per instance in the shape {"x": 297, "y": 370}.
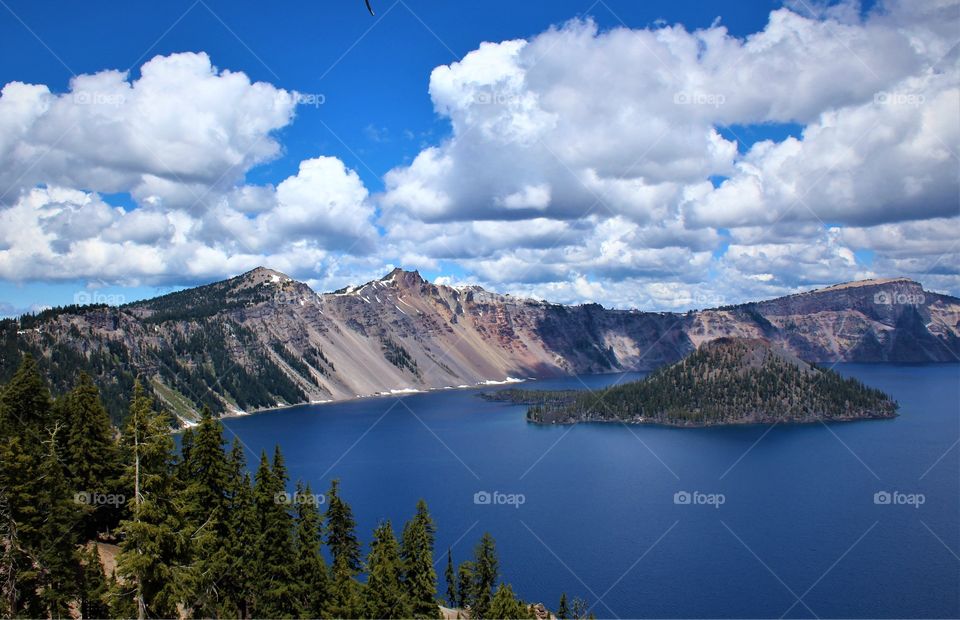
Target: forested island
{"x": 726, "y": 381}
{"x": 97, "y": 522}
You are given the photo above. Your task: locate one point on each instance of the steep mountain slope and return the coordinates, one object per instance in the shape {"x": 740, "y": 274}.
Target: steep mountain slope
{"x": 262, "y": 339}
{"x": 725, "y": 381}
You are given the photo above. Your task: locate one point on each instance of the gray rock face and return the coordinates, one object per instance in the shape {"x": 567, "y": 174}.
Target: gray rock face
{"x": 263, "y": 339}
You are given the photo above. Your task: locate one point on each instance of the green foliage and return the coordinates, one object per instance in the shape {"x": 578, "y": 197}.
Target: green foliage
{"x": 197, "y": 538}
{"x": 398, "y": 356}
{"x": 274, "y": 592}
{"x": 486, "y": 568}
{"x": 346, "y": 598}
{"x": 154, "y": 548}
{"x": 505, "y": 605}
{"x": 465, "y": 584}
{"x": 563, "y": 612}
{"x": 312, "y": 577}
{"x": 203, "y": 366}
{"x": 204, "y": 504}
{"x": 451, "y": 580}
{"x": 93, "y": 586}
{"x": 386, "y": 596}
{"x": 296, "y": 363}
{"x": 726, "y": 381}
{"x": 419, "y": 575}
{"x": 91, "y": 456}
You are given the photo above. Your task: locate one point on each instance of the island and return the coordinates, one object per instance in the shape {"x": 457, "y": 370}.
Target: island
{"x": 726, "y": 381}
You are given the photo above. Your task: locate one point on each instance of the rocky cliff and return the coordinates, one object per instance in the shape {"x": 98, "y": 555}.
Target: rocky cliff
{"x": 263, "y": 339}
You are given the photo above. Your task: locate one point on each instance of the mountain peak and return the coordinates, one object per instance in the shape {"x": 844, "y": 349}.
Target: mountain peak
{"x": 403, "y": 277}
{"x": 262, "y": 273}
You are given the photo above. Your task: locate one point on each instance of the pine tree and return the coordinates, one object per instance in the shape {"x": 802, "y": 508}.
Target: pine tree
{"x": 579, "y": 608}
{"x": 312, "y": 576}
{"x": 465, "y": 584}
{"x": 25, "y": 412}
{"x": 341, "y": 531}
{"x": 56, "y": 554}
{"x": 419, "y": 575}
{"x": 385, "y": 595}
{"x": 486, "y": 569}
{"x": 93, "y": 586}
{"x": 203, "y": 479}
{"x": 346, "y": 600}
{"x": 236, "y": 583}
{"x": 153, "y": 546}
{"x": 451, "y": 580}
{"x": 91, "y": 455}
{"x": 563, "y": 612}
{"x": 274, "y": 578}
{"x": 505, "y": 605}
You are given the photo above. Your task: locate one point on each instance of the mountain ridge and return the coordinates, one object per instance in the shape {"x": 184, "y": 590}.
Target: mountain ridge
{"x": 263, "y": 339}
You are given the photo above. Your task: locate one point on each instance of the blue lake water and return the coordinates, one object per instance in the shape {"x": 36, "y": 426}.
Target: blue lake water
{"x": 798, "y": 534}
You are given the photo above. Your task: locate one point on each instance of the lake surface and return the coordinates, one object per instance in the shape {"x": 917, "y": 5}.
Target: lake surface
{"x": 798, "y": 533}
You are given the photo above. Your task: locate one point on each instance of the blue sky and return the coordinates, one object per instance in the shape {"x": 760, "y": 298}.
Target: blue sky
{"x": 376, "y": 109}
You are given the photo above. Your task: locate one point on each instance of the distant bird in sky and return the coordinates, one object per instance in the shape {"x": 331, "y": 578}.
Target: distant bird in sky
{"x": 369, "y": 8}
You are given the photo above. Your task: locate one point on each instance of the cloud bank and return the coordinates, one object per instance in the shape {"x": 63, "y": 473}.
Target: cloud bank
{"x": 582, "y": 165}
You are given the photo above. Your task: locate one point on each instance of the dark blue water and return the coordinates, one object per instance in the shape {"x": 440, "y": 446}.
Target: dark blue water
{"x": 798, "y": 533}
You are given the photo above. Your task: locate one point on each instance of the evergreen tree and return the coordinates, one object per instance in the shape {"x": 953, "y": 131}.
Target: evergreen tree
{"x": 465, "y": 584}
{"x": 236, "y": 584}
{"x": 312, "y": 576}
{"x": 451, "y": 580}
{"x": 56, "y": 554}
{"x": 25, "y": 412}
{"x": 563, "y": 612}
{"x": 93, "y": 586}
{"x": 91, "y": 455}
{"x": 419, "y": 575}
{"x": 345, "y": 593}
{"x": 203, "y": 479}
{"x": 274, "y": 597}
{"x": 486, "y": 569}
{"x": 341, "y": 531}
{"x": 385, "y": 595}
{"x": 153, "y": 546}
{"x": 505, "y": 605}
{"x": 579, "y": 608}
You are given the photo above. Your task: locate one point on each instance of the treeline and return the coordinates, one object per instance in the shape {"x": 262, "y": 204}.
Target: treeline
{"x": 197, "y": 535}
{"x": 723, "y": 382}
